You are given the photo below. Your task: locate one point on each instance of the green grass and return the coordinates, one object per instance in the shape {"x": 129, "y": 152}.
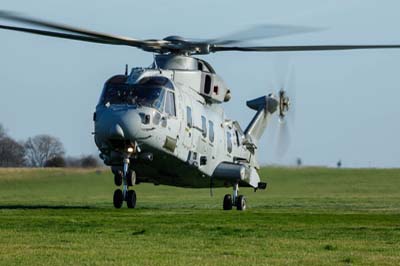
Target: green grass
{"x": 307, "y": 216}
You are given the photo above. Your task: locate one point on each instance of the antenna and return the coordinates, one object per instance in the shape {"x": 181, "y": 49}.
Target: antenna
{"x": 126, "y": 69}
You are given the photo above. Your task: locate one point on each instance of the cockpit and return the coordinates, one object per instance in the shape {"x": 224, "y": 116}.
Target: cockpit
{"x": 149, "y": 91}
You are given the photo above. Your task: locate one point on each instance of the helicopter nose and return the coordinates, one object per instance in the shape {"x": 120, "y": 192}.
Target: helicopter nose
{"x": 128, "y": 126}
{"x": 116, "y": 132}
{"x": 117, "y": 125}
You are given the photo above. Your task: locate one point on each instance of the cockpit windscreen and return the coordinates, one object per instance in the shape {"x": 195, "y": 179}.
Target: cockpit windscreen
{"x": 147, "y": 92}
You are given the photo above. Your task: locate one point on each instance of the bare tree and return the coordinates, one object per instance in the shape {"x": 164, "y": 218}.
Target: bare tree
{"x": 42, "y": 148}
{"x": 2, "y": 132}
{"x": 12, "y": 153}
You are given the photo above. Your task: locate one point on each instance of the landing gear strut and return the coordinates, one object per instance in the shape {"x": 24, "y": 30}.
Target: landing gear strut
{"x": 126, "y": 178}
{"x": 235, "y": 200}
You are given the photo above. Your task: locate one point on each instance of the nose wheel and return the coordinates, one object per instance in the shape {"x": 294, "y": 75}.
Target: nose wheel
{"x": 234, "y": 200}
{"x": 126, "y": 178}
{"x": 118, "y": 198}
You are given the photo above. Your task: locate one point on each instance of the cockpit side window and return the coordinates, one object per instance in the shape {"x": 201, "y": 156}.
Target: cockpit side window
{"x": 170, "y": 104}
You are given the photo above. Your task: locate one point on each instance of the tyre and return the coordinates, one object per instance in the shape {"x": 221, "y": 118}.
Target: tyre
{"x": 227, "y": 202}
{"x": 118, "y": 198}
{"x": 131, "y": 199}
{"x": 118, "y": 178}
{"x": 241, "y": 203}
{"x": 130, "y": 178}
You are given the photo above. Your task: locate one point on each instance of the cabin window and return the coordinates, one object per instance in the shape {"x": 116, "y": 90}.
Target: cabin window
{"x": 189, "y": 120}
{"x": 207, "y": 84}
{"x": 229, "y": 141}
{"x": 204, "y": 126}
{"x": 170, "y": 104}
{"x": 211, "y": 130}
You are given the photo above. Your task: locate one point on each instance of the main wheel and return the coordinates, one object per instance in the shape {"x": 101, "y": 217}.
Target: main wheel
{"x": 241, "y": 203}
{"x": 118, "y": 178}
{"x": 130, "y": 178}
{"x": 227, "y": 202}
{"x": 131, "y": 199}
{"x": 118, "y": 198}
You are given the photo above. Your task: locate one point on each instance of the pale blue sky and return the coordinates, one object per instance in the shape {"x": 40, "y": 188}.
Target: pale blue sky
{"x": 347, "y": 102}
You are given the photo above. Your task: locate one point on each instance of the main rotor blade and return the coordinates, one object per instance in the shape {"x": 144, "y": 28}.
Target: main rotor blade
{"x": 301, "y": 48}
{"x": 107, "y": 37}
{"x": 261, "y": 32}
{"x": 58, "y": 35}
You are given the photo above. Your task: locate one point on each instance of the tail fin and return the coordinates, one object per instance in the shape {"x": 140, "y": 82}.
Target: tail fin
{"x": 265, "y": 106}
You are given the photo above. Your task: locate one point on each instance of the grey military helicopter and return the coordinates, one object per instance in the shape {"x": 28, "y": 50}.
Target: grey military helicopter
{"x": 165, "y": 124}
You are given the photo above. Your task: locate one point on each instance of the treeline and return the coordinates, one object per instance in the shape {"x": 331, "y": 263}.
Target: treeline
{"x": 39, "y": 151}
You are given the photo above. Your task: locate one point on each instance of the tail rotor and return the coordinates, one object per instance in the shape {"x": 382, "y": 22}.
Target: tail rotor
{"x": 286, "y": 97}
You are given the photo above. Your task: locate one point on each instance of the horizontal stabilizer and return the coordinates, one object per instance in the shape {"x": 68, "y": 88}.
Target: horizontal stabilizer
{"x": 263, "y": 102}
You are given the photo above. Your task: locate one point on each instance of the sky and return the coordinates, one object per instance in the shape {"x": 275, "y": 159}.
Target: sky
{"x": 346, "y": 102}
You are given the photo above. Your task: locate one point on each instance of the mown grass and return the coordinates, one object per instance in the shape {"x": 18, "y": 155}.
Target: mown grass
{"x": 307, "y": 216}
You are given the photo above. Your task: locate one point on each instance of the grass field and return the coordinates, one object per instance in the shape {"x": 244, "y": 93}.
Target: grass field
{"x": 307, "y": 216}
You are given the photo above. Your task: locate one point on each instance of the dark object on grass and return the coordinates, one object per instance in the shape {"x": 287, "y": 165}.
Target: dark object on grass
{"x": 141, "y": 232}
{"x": 330, "y": 247}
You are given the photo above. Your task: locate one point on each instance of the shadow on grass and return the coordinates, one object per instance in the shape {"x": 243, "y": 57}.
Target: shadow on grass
{"x": 51, "y": 207}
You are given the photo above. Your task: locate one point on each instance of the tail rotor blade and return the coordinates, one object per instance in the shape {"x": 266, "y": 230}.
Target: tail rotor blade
{"x": 283, "y": 141}
{"x": 285, "y": 82}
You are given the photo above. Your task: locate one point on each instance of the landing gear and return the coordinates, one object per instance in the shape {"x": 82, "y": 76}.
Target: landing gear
{"x": 131, "y": 199}
{"x": 234, "y": 200}
{"x": 227, "y": 202}
{"x": 126, "y": 178}
{"x": 130, "y": 178}
{"x": 118, "y": 198}
{"x": 241, "y": 203}
{"x": 118, "y": 175}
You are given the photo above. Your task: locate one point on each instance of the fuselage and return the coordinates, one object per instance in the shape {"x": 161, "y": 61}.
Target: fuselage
{"x": 180, "y": 135}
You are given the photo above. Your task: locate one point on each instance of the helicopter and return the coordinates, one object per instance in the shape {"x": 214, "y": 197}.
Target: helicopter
{"x": 165, "y": 124}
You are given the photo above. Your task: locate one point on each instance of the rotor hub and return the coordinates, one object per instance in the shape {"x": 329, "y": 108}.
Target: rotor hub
{"x": 284, "y": 103}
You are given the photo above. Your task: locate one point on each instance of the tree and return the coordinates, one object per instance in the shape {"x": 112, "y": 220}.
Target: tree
{"x": 85, "y": 161}
{"x": 299, "y": 162}
{"x": 12, "y": 153}
{"x": 72, "y": 161}
{"x": 2, "y": 132}
{"x": 89, "y": 161}
{"x": 57, "y": 161}
{"x": 43, "y": 148}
